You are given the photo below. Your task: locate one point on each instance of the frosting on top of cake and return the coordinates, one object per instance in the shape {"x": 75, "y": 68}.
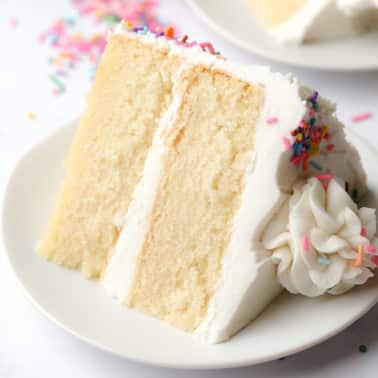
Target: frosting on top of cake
{"x": 167, "y": 40}
{"x": 321, "y": 241}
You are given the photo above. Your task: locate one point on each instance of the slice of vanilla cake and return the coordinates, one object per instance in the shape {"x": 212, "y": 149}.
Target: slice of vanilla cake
{"x": 223, "y": 160}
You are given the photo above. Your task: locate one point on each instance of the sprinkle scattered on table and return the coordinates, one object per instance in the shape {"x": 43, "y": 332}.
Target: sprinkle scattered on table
{"x": 13, "y": 22}
{"x": 70, "y": 46}
{"x": 58, "y": 85}
{"x": 361, "y": 117}
{"x": 363, "y": 348}
{"x": 30, "y": 116}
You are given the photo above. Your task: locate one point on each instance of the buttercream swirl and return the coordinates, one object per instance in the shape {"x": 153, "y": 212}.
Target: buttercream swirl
{"x": 321, "y": 241}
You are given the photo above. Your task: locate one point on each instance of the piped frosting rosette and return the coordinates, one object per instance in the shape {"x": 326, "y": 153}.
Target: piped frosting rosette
{"x": 321, "y": 241}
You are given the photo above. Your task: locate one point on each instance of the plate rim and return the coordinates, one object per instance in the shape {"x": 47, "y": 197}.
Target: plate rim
{"x": 235, "y": 40}
{"x": 12, "y": 173}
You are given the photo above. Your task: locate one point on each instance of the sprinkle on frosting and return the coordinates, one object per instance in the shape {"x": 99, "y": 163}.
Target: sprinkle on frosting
{"x": 272, "y": 120}
{"x": 359, "y": 260}
{"x": 325, "y": 177}
{"x": 361, "y": 117}
{"x": 370, "y": 249}
{"x": 336, "y": 260}
{"x": 286, "y": 142}
{"x": 208, "y": 47}
{"x": 308, "y": 136}
{"x": 30, "y": 116}
{"x": 305, "y": 243}
{"x": 374, "y": 260}
{"x": 316, "y": 165}
{"x": 169, "y": 33}
{"x": 324, "y": 261}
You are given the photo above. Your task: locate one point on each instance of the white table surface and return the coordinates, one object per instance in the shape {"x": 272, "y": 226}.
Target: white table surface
{"x": 31, "y": 346}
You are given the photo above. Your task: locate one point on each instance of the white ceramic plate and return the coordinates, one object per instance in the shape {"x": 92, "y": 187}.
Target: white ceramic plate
{"x": 235, "y": 21}
{"x": 289, "y": 325}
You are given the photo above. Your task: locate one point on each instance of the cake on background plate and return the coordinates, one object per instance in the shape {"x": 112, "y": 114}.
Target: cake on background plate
{"x": 180, "y": 168}
{"x": 300, "y": 21}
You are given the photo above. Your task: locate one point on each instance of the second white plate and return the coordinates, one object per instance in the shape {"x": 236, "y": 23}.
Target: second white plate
{"x": 290, "y": 324}
{"x": 235, "y": 21}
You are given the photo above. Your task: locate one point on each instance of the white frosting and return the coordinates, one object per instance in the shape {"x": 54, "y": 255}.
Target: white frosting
{"x": 315, "y": 239}
{"x": 327, "y": 19}
{"x": 120, "y": 270}
{"x": 268, "y": 179}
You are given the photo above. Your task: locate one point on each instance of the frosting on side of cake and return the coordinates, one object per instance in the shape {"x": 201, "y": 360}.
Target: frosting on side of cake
{"x": 321, "y": 241}
{"x": 231, "y": 307}
{"x": 269, "y": 180}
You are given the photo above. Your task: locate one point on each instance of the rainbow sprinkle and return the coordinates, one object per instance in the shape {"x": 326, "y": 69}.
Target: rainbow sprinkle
{"x": 374, "y": 260}
{"x": 69, "y": 47}
{"x": 370, "y": 249}
{"x": 59, "y": 86}
{"x": 272, "y": 120}
{"x": 325, "y": 177}
{"x": 305, "y": 243}
{"x": 316, "y": 165}
{"x": 330, "y": 147}
{"x": 324, "y": 261}
{"x": 361, "y": 117}
{"x": 207, "y": 47}
{"x": 358, "y": 261}
{"x": 308, "y": 136}
{"x": 169, "y": 33}
{"x": 286, "y": 142}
